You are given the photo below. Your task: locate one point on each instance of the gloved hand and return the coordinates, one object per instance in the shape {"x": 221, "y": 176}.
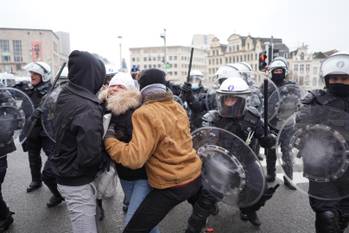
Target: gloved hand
{"x": 187, "y": 93}
{"x": 268, "y": 141}
{"x": 37, "y": 113}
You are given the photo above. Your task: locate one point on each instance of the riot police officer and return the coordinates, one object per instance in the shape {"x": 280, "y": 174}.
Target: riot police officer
{"x": 233, "y": 115}
{"x": 37, "y": 139}
{"x": 197, "y": 98}
{"x": 7, "y": 108}
{"x": 278, "y": 72}
{"x": 332, "y": 215}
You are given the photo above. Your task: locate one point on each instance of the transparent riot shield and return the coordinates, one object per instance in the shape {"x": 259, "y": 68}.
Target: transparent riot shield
{"x": 273, "y": 99}
{"x": 15, "y": 109}
{"x": 315, "y": 152}
{"x": 289, "y": 103}
{"x": 178, "y": 100}
{"x": 49, "y": 112}
{"x": 231, "y": 170}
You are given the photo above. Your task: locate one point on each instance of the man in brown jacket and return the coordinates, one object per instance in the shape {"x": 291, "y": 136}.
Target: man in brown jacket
{"x": 161, "y": 141}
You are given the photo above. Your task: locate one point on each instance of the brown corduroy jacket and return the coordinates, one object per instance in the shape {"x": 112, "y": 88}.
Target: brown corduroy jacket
{"x": 161, "y": 141}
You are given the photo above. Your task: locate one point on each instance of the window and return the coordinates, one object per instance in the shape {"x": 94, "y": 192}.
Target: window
{"x": 302, "y": 56}
{"x": 159, "y": 65}
{"x": 133, "y": 59}
{"x": 237, "y": 47}
{"x": 301, "y": 68}
{"x": 17, "y": 51}
{"x": 170, "y": 58}
{"x": 295, "y": 67}
{"x": 175, "y": 65}
{"x": 307, "y": 68}
{"x": 175, "y": 73}
{"x": 5, "y": 50}
{"x": 175, "y": 58}
{"x": 314, "y": 70}
{"x": 145, "y": 66}
{"x": 144, "y": 59}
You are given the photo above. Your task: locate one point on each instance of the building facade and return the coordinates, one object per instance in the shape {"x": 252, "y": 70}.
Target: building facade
{"x": 242, "y": 49}
{"x": 20, "y": 46}
{"x": 177, "y": 59}
{"x": 304, "y": 67}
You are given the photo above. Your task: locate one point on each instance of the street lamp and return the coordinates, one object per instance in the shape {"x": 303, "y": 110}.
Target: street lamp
{"x": 163, "y": 36}
{"x": 120, "y": 50}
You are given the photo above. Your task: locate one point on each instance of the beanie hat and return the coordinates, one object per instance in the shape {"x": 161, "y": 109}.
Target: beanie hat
{"x": 152, "y": 76}
{"x": 123, "y": 79}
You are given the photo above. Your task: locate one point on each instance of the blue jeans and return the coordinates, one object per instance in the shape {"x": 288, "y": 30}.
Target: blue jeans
{"x": 135, "y": 191}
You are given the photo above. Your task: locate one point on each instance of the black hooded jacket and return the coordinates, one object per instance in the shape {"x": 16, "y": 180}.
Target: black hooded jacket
{"x": 79, "y": 120}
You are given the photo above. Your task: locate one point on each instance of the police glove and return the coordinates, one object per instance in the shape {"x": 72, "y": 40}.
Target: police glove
{"x": 268, "y": 141}
{"x": 37, "y": 113}
{"x": 187, "y": 93}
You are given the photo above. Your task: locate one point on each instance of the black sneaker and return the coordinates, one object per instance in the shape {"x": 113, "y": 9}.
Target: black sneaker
{"x": 251, "y": 217}
{"x": 34, "y": 185}
{"x": 5, "y": 223}
{"x": 54, "y": 201}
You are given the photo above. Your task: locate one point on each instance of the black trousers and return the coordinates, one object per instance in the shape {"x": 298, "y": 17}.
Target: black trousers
{"x": 157, "y": 204}
{"x": 34, "y": 150}
{"x": 332, "y": 191}
{"x": 4, "y": 210}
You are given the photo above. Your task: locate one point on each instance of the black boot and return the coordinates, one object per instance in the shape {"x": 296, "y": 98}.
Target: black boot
{"x": 34, "y": 185}
{"x": 288, "y": 184}
{"x": 6, "y": 222}
{"x": 54, "y": 201}
{"x": 252, "y": 217}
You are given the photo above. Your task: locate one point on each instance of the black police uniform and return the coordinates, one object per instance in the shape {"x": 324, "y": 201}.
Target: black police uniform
{"x": 38, "y": 140}
{"x": 249, "y": 128}
{"x": 332, "y": 216}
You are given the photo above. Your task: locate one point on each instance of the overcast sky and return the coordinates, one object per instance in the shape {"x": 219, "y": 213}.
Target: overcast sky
{"x": 94, "y": 25}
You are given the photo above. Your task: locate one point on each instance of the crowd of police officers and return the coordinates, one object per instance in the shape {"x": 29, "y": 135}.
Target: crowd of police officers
{"x": 235, "y": 104}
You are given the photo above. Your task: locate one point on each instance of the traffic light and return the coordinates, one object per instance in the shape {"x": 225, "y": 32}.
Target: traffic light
{"x": 262, "y": 61}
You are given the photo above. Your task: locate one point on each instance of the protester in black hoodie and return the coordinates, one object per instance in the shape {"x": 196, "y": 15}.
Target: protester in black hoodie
{"x": 79, "y": 139}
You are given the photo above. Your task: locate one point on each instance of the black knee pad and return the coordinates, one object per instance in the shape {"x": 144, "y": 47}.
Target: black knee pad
{"x": 327, "y": 222}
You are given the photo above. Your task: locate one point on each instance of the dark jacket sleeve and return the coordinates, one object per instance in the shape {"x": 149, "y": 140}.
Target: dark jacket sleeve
{"x": 89, "y": 132}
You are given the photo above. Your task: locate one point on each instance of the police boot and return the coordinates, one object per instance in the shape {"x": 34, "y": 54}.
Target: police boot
{"x": 327, "y": 222}
{"x": 54, "y": 201}
{"x": 35, "y": 170}
{"x": 288, "y": 184}
{"x": 34, "y": 185}
{"x": 6, "y": 222}
{"x": 56, "y": 198}
{"x": 252, "y": 217}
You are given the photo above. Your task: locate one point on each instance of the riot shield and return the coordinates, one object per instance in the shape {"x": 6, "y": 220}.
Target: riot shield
{"x": 178, "y": 100}
{"x": 316, "y": 156}
{"x": 273, "y": 99}
{"x": 15, "y": 109}
{"x": 231, "y": 171}
{"x": 289, "y": 103}
{"x": 49, "y": 112}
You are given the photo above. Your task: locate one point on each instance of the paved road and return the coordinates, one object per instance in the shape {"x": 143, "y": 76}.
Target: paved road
{"x": 287, "y": 212}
